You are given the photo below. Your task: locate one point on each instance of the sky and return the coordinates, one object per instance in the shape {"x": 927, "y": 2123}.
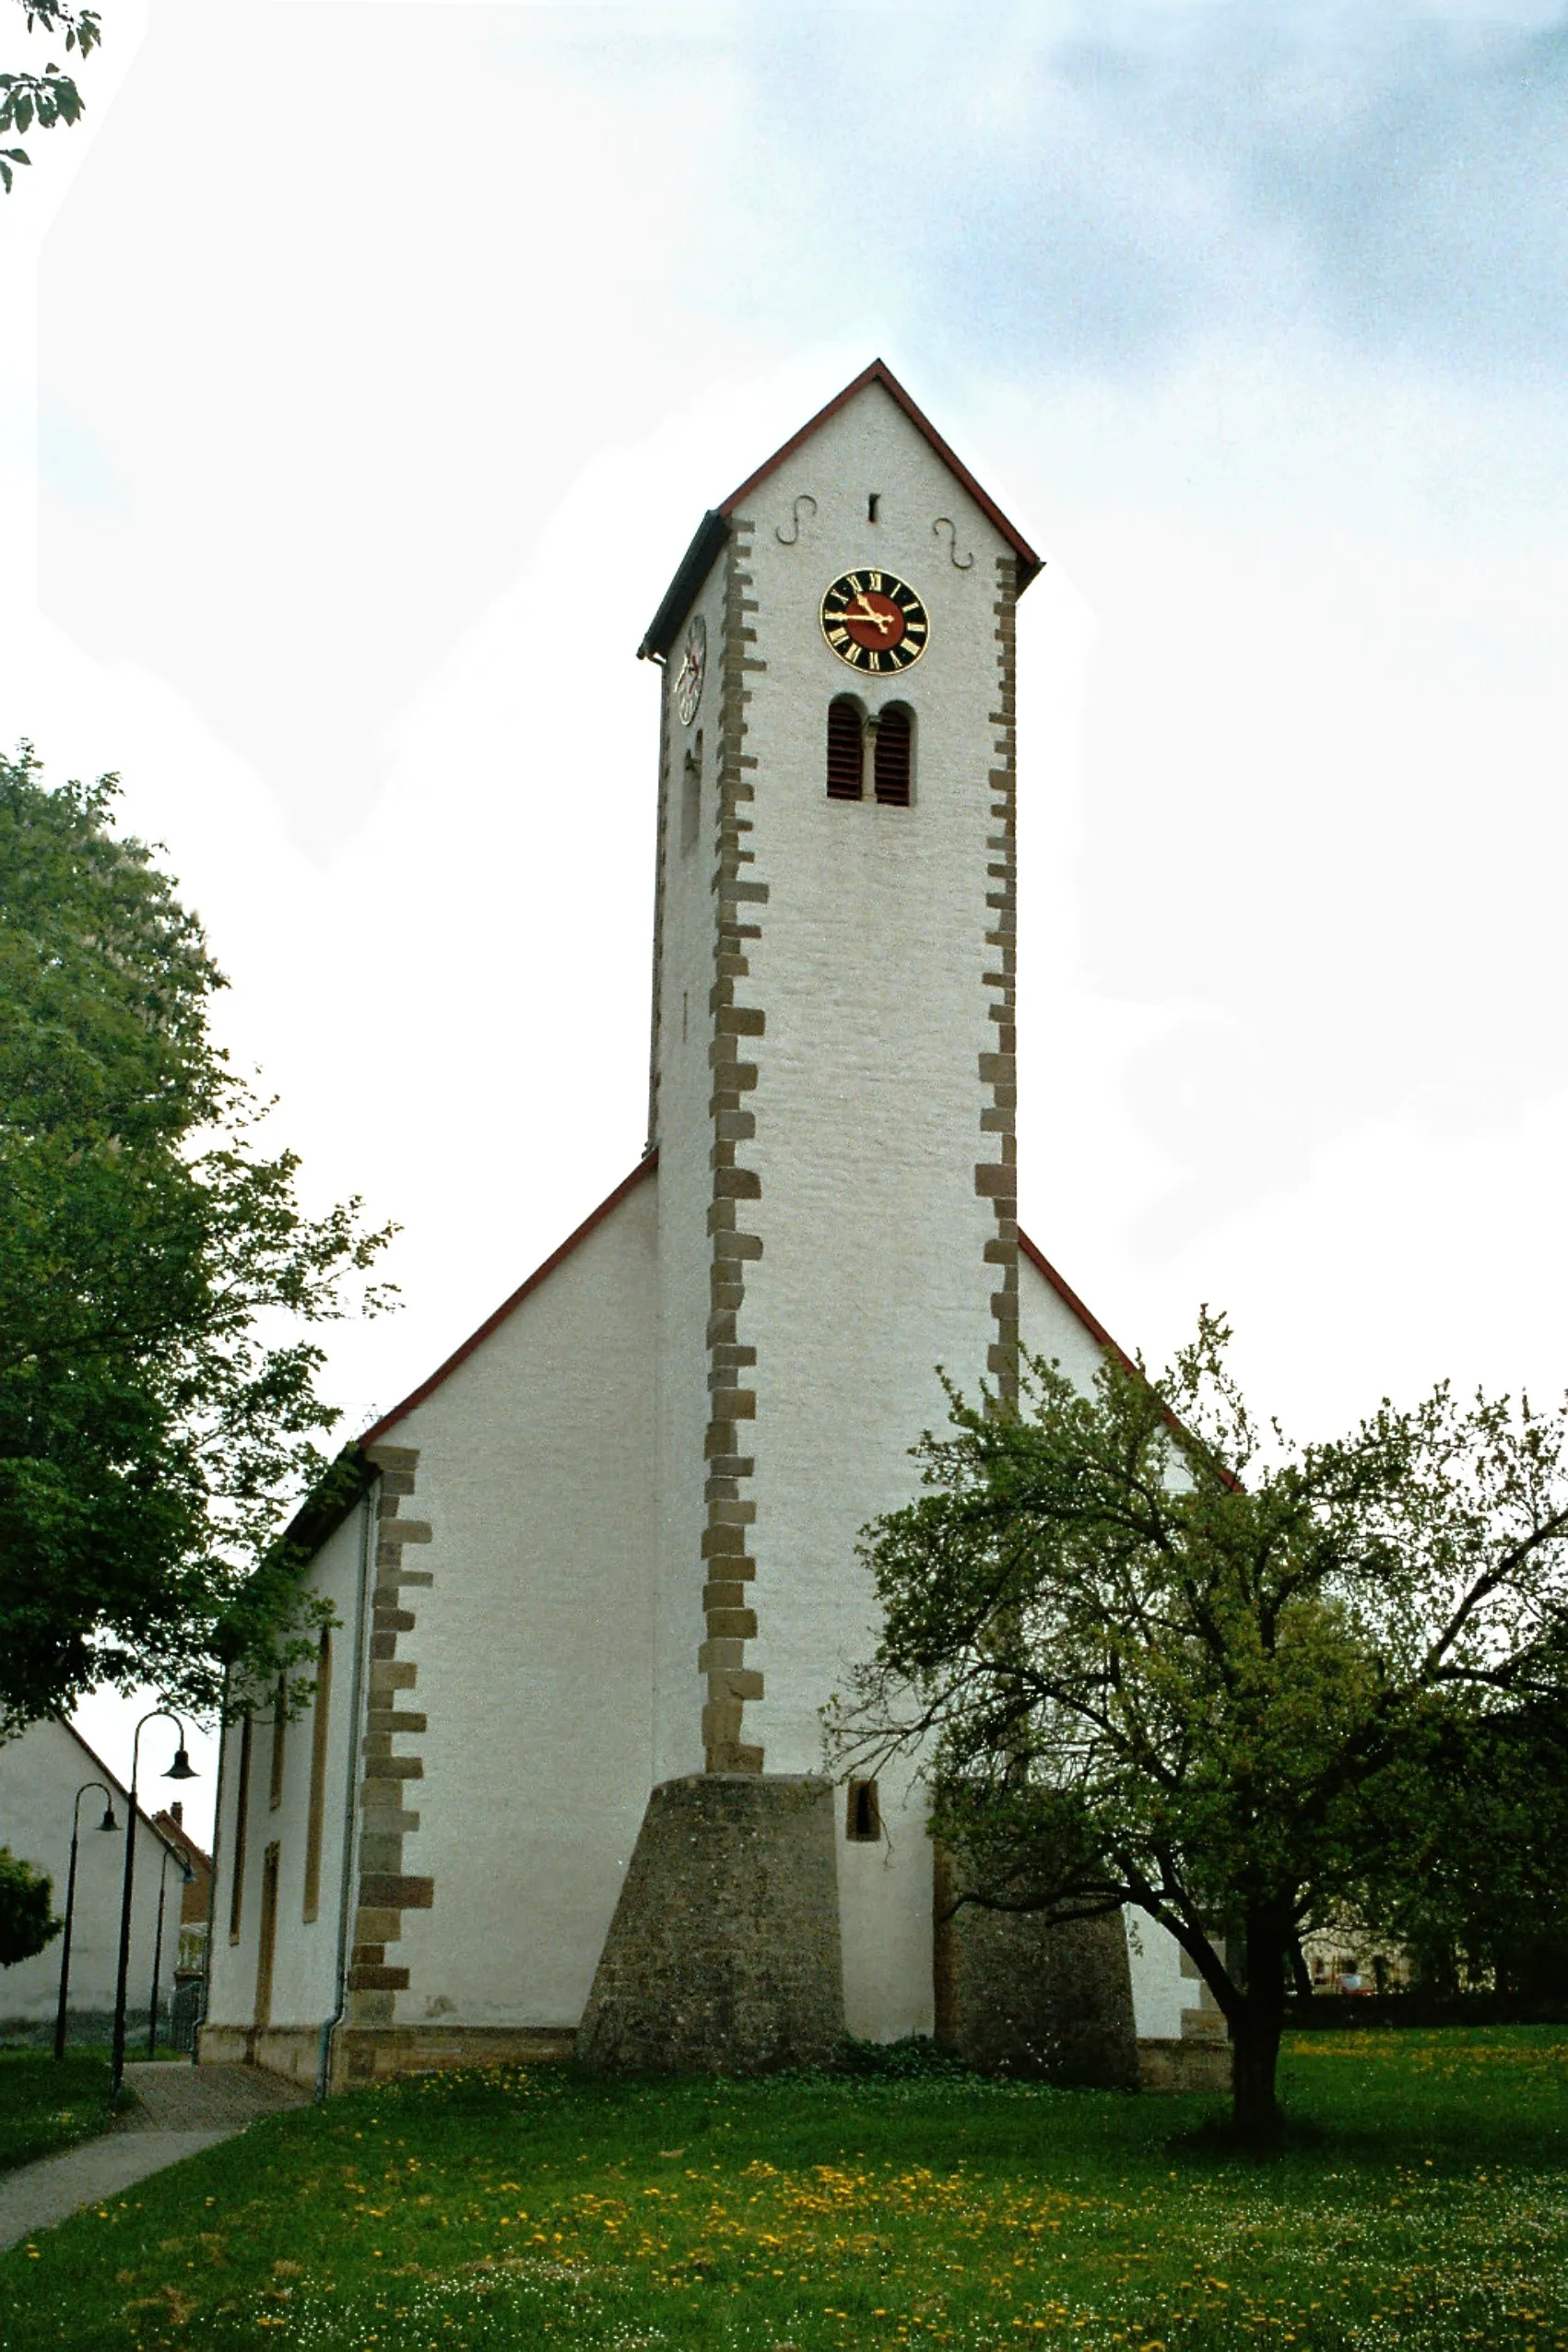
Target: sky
{"x": 365, "y": 368}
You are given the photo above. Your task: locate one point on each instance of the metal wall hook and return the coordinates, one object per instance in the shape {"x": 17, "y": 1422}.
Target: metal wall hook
{"x": 789, "y": 538}
{"x": 946, "y": 521}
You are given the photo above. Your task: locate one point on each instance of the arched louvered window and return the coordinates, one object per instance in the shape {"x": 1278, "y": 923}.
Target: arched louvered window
{"x": 846, "y": 759}
{"x": 894, "y": 765}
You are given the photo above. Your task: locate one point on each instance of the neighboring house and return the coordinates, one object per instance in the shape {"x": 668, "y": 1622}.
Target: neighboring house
{"x": 561, "y": 1780}
{"x": 196, "y": 1895}
{"x": 1346, "y": 1958}
{"x": 40, "y": 1771}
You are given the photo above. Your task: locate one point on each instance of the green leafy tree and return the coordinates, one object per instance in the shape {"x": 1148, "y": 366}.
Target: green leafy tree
{"x": 1488, "y": 1907}
{"x": 51, "y": 97}
{"x": 157, "y": 1387}
{"x": 1149, "y": 1653}
{"x": 27, "y": 1922}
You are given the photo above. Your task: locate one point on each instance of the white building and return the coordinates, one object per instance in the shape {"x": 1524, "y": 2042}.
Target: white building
{"x": 608, "y": 1548}
{"x": 40, "y": 1771}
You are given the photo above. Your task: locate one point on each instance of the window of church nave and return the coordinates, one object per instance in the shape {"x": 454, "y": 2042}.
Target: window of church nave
{"x": 847, "y": 756}
{"x": 894, "y": 761}
{"x": 279, "y": 1733}
{"x": 241, "y": 1821}
{"x": 316, "y": 1818}
{"x": 863, "y": 1821}
{"x": 692, "y": 796}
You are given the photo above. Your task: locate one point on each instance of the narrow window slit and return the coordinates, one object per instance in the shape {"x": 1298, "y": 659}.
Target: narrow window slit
{"x": 692, "y": 796}
{"x": 863, "y": 1825}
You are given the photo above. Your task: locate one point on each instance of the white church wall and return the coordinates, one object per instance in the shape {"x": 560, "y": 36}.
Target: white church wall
{"x": 305, "y": 1952}
{"x": 1048, "y": 1327}
{"x": 532, "y": 1643}
{"x": 685, "y": 1135}
{"x": 40, "y": 1771}
{"x": 1159, "y": 1991}
{"x": 885, "y": 1916}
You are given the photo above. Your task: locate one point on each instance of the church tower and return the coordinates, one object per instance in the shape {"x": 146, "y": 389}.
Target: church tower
{"x": 591, "y": 1582}
{"x": 833, "y": 1086}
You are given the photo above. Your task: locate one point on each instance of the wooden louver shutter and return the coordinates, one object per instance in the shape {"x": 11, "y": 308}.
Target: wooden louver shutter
{"x": 893, "y": 746}
{"x": 845, "y": 756}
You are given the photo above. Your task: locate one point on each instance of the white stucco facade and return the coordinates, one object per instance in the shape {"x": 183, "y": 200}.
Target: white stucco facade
{"x": 614, "y": 1540}
{"x": 304, "y": 1972}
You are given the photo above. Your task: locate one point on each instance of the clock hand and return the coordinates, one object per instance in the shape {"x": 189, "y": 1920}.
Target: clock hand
{"x": 883, "y": 620}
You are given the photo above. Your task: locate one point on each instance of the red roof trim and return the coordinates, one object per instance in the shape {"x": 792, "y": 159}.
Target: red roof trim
{"x": 644, "y": 1169}
{"x": 879, "y": 373}
{"x": 1069, "y": 1297}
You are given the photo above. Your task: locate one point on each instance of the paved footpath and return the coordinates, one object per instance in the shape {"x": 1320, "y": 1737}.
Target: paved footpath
{"x": 179, "y": 2110}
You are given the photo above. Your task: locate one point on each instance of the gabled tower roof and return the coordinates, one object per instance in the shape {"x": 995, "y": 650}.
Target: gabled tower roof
{"x": 713, "y": 529}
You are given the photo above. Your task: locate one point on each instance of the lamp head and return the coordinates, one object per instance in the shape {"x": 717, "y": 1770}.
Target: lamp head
{"x": 181, "y": 1768}
{"x": 109, "y": 1823}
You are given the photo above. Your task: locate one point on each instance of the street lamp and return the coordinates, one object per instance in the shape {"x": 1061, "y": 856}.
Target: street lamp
{"x": 108, "y": 1824}
{"x": 186, "y": 1875}
{"x": 180, "y": 1769}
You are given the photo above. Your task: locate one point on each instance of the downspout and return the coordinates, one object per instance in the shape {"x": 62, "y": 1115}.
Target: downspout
{"x": 329, "y": 2029}
{"x": 211, "y": 1953}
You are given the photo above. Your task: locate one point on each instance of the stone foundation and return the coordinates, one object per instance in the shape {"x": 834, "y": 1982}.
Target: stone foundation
{"x": 371, "y": 2056}
{"x": 723, "y": 1953}
{"x": 375, "y": 2055}
{"x": 1018, "y": 1996}
{"x": 1191, "y": 2064}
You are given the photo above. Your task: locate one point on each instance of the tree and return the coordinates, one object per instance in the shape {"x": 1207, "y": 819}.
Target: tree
{"x": 27, "y": 1922}
{"x": 157, "y": 1396}
{"x": 1487, "y": 1904}
{"x": 1149, "y": 1653}
{"x": 51, "y": 97}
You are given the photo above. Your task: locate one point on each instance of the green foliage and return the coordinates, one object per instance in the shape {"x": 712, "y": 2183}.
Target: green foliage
{"x": 526, "y": 2206}
{"x": 158, "y": 1404}
{"x": 27, "y": 1920}
{"x": 51, "y": 97}
{"x": 914, "y": 2059}
{"x": 1147, "y": 1653}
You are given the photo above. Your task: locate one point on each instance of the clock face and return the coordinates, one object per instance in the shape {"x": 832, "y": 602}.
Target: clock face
{"x": 874, "y": 622}
{"x": 693, "y": 669}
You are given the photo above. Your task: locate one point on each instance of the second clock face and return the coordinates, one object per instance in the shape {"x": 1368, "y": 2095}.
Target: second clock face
{"x": 693, "y": 669}
{"x": 874, "y": 622}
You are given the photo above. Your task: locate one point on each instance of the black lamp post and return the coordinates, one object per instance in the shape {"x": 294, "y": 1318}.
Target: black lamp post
{"x": 186, "y": 1875}
{"x": 110, "y": 1824}
{"x": 180, "y": 1769}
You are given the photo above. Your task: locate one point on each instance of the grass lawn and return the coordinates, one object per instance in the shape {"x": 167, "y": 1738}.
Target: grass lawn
{"x": 44, "y": 2106}
{"x": 537, "y": 2208}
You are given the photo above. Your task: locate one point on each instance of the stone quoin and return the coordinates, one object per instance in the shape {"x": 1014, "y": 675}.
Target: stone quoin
{"x": 594, "y": 1581}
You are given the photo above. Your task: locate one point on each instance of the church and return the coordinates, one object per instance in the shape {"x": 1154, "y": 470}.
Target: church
{"x": 561, "y": 1787}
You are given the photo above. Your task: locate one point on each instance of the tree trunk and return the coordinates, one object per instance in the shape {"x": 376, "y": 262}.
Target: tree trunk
{"x": 1254, "y": 2038}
